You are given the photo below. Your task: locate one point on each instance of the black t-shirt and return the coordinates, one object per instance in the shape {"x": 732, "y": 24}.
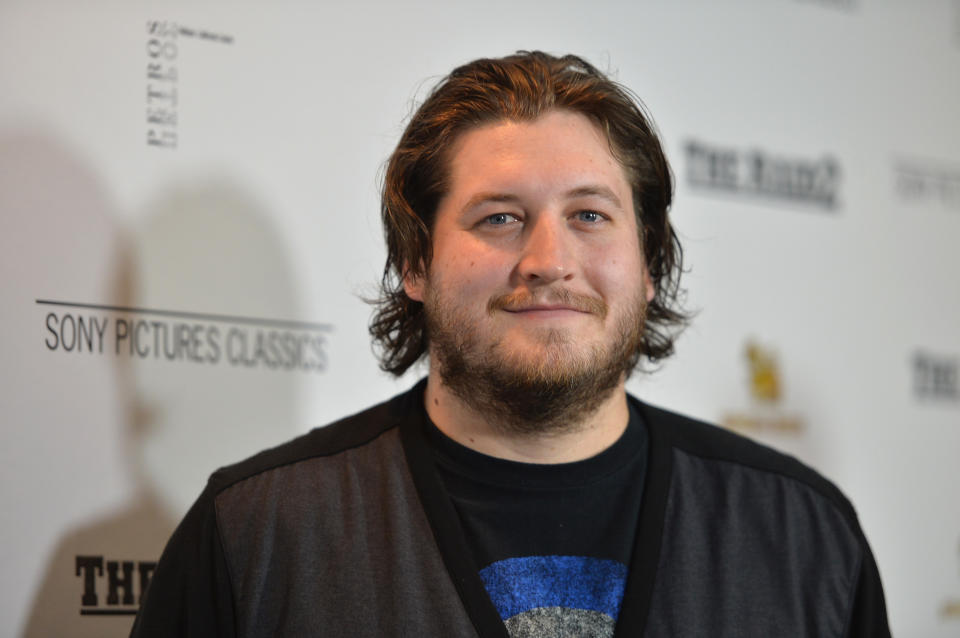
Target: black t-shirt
{"x": 551, "y": 542}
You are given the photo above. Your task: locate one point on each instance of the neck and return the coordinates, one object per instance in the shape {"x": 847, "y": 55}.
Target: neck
{"x": 589, "y": 435}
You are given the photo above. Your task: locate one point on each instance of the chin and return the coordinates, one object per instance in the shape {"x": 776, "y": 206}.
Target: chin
{"x": 551, "y": 363}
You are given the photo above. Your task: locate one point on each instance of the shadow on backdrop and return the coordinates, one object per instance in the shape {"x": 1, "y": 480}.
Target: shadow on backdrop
{"x": 201, "y": 247}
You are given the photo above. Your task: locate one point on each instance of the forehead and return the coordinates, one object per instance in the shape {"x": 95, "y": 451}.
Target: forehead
{"x": 559, "y": 149}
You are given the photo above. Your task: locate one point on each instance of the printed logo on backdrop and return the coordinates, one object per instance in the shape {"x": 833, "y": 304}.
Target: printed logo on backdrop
{"x": 185, "y": 337}
{"x": 936, "y": 377}
{"x": 119, "y": 592}
{"x": 162, "y": 48}
{"x": 765, "y": 415}
{"x": 753, "y": 173}
{"x": 928, "y": 182}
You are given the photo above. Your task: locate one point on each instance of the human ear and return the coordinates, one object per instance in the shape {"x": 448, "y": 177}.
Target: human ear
{"x": 648, "y": 288}
{"x": 413, "y": 284}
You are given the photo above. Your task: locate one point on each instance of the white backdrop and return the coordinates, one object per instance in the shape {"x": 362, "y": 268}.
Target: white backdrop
{"x": 197, "y": 187}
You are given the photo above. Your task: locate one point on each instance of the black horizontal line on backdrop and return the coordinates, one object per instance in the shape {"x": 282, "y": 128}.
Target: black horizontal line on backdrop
{"x": 259, "y": 321}
{"x": 778, "y": 200}
{"x": 108, "y": 612}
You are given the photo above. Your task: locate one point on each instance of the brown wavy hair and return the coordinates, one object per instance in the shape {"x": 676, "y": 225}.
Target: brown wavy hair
{"x": 519, "y": 87}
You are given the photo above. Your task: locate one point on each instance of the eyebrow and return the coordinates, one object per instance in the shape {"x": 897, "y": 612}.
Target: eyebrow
{"x": 484, "y": 198}
{"x": 597, "y": 190}
{"x": 590, "y": 190}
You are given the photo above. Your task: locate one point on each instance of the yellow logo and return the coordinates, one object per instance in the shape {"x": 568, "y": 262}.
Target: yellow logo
{"x": 764, "y": 374}
{"x": 766, "y": 392}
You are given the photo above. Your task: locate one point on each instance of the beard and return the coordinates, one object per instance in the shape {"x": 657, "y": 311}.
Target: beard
{"x": 549, "y": 385}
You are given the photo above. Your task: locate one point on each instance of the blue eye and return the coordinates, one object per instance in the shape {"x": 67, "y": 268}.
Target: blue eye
{"x": 589, "y": 216}
{"x": 500, "y": 219}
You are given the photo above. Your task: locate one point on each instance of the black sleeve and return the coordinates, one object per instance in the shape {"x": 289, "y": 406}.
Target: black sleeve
{"x": 190, "y": 593}
{"x": 868, "y": 618}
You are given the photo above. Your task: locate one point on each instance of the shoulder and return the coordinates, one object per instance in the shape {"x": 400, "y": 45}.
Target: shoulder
{"x": 353, "y": 432}
{"x": 727, "y": 454}
{"x": 742, "y": 527}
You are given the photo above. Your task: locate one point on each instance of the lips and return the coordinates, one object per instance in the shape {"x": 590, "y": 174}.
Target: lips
{"x": 544, "y": 309}
{"x": 557, "y": 302}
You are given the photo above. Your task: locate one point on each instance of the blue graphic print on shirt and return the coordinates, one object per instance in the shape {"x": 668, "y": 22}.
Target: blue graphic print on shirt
{"x": 518, "y": 585}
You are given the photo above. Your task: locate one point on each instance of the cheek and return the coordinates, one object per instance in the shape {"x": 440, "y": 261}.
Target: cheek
{"x": 470, "y": 276}
{"x": 618, "y": 272}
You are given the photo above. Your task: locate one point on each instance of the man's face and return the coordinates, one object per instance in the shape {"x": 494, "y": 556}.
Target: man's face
{"x": 537, "y": 273}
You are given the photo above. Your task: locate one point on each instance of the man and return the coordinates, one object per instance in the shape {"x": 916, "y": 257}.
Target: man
{"x": 518, "y": 490}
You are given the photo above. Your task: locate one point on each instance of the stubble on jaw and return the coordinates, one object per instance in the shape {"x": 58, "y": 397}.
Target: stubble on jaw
{"x": 550, "y": 392}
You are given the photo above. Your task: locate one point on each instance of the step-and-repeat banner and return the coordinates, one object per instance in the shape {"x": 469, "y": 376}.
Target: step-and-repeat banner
{"x": 189, "y": 227}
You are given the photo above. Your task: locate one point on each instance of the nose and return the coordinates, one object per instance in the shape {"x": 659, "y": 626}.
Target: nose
{"x": 547, "y": 255}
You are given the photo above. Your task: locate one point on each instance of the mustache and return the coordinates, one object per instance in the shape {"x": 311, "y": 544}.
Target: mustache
{"x": 560, "y": 297}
